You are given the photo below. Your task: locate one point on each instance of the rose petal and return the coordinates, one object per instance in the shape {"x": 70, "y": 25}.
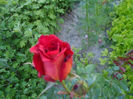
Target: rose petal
{"x": 43, "y": 54}
{"x": 51, "y": 70}
{"x": 52, "y": 67}
{"x": 65, "y": 69}
{"x": 47, "y": 78}
{"x": 49, "y": 45}
{"x": 67, "y": 46}
{"x": 62, "y": 52}
{"x": 38, "y": 64}
{"x": 52, "y": 58}
{"x": 48, "y": 38}
{"x": 53, "y": 54}
{"x": 34, "y": 49}
{"x": 39, "y": 75}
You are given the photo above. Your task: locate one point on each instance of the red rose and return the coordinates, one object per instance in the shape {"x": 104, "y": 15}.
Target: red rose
{"x": 52, "y": 58}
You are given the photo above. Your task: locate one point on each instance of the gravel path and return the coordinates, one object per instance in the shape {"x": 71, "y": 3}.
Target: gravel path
{"x": 71, "y": 32}
{"x": 69, "y": 29}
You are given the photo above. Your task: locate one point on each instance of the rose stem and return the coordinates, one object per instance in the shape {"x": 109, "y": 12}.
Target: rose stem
{"x": 64, "y": 85}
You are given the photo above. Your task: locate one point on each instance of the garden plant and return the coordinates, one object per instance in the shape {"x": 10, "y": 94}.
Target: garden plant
{"x": 36, "y": 64}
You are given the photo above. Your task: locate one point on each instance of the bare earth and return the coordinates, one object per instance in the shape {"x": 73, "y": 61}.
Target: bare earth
{"x": 71, "y": 33}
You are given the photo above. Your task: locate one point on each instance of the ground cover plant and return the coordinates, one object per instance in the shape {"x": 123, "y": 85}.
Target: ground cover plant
{"x": 21, "y": 23}
{"x": 121, "y": 36}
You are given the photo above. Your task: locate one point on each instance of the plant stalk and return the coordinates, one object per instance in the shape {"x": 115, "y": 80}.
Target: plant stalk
{"x": 65, "y": 87}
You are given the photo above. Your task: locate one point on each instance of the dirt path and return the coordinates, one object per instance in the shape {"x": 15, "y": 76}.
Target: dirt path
{"x": 71, "y": 33}
{"x": 69, "y": 29}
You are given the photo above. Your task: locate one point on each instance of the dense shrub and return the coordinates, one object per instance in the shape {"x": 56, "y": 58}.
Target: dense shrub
{"x": 122, "y": 30}
{"x": 21, "y": 23}
{"x": 122, "y": 36}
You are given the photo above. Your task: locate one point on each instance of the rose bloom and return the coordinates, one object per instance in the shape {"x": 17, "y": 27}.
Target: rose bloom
{"x": 52, "y": 58}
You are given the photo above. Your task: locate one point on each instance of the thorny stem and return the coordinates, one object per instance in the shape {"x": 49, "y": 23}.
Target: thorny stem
{"x": 64, "y": 85}
{"x": 67, "y": 90}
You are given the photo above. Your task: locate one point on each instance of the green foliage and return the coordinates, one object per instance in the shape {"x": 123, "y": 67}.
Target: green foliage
{"x": 97, "y": 85}
{"x": 105, "y": 87}
{"x": 122, "y": 30}
{"x": 3, "y": 2}
{"x": 18, "y": 83}
{"x": 21, "y": 23}
{"x": 122, "y": 36}
{"x": 97, "y": 18}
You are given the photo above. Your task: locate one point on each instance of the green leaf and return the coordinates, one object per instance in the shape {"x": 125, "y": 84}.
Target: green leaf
{"x": 43, "y": 97}
{"x": 103, "y": 61}
{"x": 105, "y": 52}
{"x": 90, "y": 68}
{"x": 41, "y": 1}
{"x": 49, "y": 85}
{"x": 116, "y": 68}
{"x": 3, "y": 63}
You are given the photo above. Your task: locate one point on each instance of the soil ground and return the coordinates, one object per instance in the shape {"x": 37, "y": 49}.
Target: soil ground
{"x": 72, "y": 33}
